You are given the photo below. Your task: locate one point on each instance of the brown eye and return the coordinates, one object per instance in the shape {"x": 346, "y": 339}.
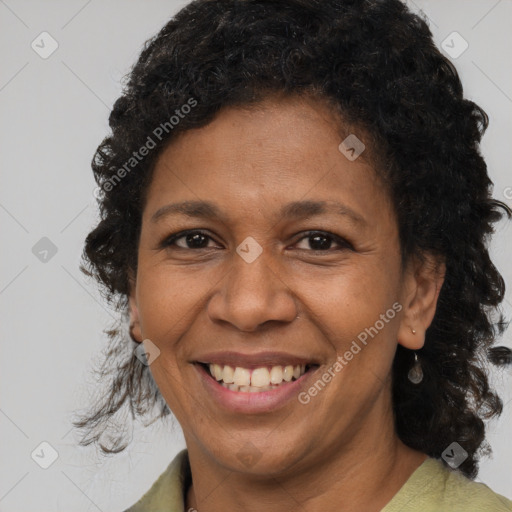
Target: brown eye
{"x": 188, "y": 240}
{"x": 321, "y": 241}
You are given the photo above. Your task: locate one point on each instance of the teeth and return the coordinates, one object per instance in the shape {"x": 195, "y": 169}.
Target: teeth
{"x": 276, "y": 375}
{"x": 245, "y": 389}
{"x": 259, "y": 379}
{"x": 242, "y": 377}
{"x": 288, "y": 373}
{"x": 216, "y": 371}
{"x": 228, "y": 375}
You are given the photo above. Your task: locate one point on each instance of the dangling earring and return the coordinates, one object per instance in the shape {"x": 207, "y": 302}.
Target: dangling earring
{"x": 415, "y": 374}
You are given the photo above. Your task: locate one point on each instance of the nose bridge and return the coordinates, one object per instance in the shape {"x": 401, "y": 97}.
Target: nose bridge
{"x": 252, "y": 293}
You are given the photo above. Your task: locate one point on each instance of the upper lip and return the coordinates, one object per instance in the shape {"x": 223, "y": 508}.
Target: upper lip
{"x": 256, "y": 360}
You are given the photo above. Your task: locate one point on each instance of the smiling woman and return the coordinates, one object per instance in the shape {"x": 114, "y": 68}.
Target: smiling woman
{"x": 303, "y": 258}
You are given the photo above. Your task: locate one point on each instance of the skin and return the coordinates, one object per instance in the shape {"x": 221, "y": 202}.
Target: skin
{"x": 340, "y": 451}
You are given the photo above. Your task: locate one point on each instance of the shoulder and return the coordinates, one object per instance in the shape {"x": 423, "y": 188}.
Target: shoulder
{"x": 467, "y": 495}
{"x": 434, "y": 488}
{"x": 167, "y": 493}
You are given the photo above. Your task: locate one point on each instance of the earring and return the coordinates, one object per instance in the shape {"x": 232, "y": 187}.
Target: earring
{"x": 415, "y": 374}
{"x": 413, "y": 330}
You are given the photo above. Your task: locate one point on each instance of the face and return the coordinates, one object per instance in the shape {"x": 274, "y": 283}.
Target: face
{"x": 285, "y": 254}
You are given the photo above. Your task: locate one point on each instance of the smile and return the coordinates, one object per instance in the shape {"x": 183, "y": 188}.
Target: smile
{"x": 257, "y": 383}
{"x": 256, "y": 380}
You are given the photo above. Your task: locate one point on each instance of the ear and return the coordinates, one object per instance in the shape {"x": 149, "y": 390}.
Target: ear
{"x": 135, "y": 330}
{"x": 421, "y": 286}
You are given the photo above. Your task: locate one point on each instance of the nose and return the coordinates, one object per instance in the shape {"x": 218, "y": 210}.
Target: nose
{"x": 252, "y": 294}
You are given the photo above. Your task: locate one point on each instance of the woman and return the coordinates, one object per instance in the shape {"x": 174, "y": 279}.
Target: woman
{"x": 294, "y": 220}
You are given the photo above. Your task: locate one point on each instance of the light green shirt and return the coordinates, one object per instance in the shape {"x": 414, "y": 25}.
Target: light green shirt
{"x": 431, "y": 488}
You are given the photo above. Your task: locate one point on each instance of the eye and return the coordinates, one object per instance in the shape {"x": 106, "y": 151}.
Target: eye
{"x": 323, "y": 241}
{"x": 315, "y": 241}
{"x": 192, "y": 239}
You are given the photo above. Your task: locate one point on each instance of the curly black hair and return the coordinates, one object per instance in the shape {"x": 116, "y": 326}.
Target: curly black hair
{"x": 377, "y": 63}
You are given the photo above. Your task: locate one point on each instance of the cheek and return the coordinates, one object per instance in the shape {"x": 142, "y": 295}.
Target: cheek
{"x": 352, "y": 296}
{"x": 357, "y": 311}
{"x": 167, "y": 299}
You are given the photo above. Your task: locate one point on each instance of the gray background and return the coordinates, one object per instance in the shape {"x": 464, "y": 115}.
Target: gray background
{"x": 53, "y": 115}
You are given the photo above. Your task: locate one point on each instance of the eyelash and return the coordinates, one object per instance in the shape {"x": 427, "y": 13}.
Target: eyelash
{"x": 344, "y": 244}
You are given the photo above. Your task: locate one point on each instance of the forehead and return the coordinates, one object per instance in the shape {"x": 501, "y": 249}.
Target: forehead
{"x": 264, "y": 155}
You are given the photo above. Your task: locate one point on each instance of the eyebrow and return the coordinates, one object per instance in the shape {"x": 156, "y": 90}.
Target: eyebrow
{"x": 293, "y": 210}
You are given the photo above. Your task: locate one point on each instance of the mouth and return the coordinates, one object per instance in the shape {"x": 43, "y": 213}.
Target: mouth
{"x": 257, "y": 383}
{"x": 255, "y": 380}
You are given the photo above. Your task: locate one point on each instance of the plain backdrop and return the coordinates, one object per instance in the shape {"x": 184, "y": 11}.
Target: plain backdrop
{"x": 53, "y": 114}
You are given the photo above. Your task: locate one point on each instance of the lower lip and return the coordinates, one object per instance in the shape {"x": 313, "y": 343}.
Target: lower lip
{"x": 255, "y": 402}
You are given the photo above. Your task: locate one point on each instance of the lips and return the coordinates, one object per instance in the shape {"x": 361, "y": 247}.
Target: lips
{"x": 254, "y": 372}
{"x": 250, "y": 400}
{"x": 253, "y": 383}
{"x": 256, "y": 360}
